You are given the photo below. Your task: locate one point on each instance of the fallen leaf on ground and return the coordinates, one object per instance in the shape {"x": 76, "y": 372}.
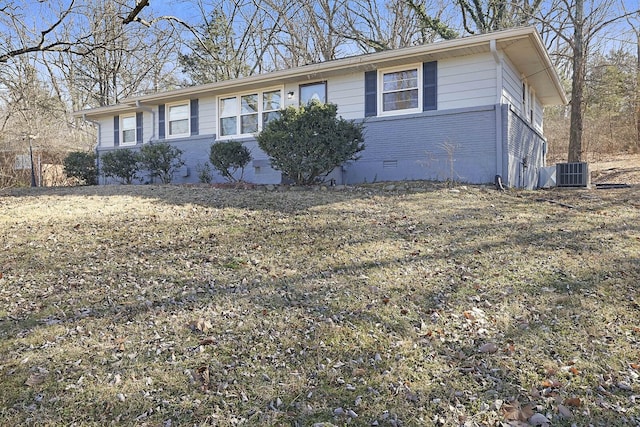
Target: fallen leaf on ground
{"x": 488, "y": 348}
{"x": 551, "y": 384}
{"x": 564, "y": 412}
{"x": 35, "y": 379}
{"x": 201, "y": 325}
{"x": 538, "y": 419}
{"x": 513, "y": 411}
{"x": 359, "y": 372}
{"x": 573, "y": 401}
{"x": 203, "y": 375}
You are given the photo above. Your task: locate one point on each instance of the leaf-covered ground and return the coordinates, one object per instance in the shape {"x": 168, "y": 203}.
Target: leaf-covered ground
{"x": 425, "y": 305}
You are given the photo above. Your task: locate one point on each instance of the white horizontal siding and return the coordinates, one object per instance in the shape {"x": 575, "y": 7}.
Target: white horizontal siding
{"x": 290, "y": 102}
{"x": 538, "y": 115}
{"x": 106, "y": 131}
{"x": 467, "y": 81}
{"x": 147, "y": 127}
{"x": 347, "y": 92}
{"x": 512, "y": 85}
{"x": 207, "y": 122}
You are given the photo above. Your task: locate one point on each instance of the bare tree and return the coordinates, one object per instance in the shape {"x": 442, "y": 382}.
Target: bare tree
{"x": 573, "y": 28}
{"x": 123, "y": 60}
{"x": 376, "y": 27}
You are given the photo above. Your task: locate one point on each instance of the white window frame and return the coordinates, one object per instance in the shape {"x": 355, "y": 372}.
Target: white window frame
{"x": 168, "y": 120}
{"x": 531, "y": 114}
{"x": 264, "y": 111}
{"x": 308, "y": 85}
{"x": 528, "y": 101}
{"x": 256, "y": 113}
{"x": 381, "y": 73}
{"x": 239, "y": 114}
{"x": 123, "y": 129}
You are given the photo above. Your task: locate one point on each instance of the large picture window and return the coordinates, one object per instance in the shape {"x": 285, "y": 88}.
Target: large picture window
{"x": 400, "y": 90}
{"x": 178, "y": 119}
{"x": 129, "y": 130}
{"x": 247, "y": 114}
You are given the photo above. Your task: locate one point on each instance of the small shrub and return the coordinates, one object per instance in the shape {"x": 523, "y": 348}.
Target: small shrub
{"x": 81, "y": 165}
{"x": 229, "y": 157}
{"x": 307, "y": 143}
{"x": 121, "y": 164}
{"x": 162, "y": 160}
{"x": 204, "y": 173}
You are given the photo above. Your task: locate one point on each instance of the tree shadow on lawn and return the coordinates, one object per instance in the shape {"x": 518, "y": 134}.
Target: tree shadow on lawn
{"x": 287, "y": 201}
{"x": 449, "y": 343}
{"x": 414, "y": 302}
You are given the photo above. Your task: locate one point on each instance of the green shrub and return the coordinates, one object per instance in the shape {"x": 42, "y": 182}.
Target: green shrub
{"x": 81, "y": 165}
{"x": 162, "y": 160}
{"x": 229, "y": 157}
{"x": 122, "y": 164}
{"x": 307, "y": 143}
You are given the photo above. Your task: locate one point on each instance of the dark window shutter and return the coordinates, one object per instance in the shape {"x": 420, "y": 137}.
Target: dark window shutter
{"x": 371, "y": 93}
{"x": 116, "y": 131}
{"x": 139, "y": 128}
{"x": 194, "y": 116}
{"x": 430, "y": 86}
{"x": 161, "y": 121}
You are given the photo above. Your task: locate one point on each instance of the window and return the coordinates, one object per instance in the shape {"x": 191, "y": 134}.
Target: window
{"x": 400, "y": 90}
{"x": 313, "y": 92}
{"x": 129, "y": 130}
{"x": 247, "y": 114}
{"x": 178, "y": 118}
{"x": 407, "y": 90}
{"x": 532, "y": 100}
{"x": 271, "y": 104}
{"x": 228, "y": 119}
{"x": 528, "y": 101}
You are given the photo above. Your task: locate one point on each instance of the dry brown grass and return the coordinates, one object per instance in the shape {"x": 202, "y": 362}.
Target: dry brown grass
{"x": 156, "y": 305}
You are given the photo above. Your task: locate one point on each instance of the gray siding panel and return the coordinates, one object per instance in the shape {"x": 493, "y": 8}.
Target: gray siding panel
{"x": 458, "y": 145}
{"x": 525, "y": 152}
{"x": 434, "y": 145}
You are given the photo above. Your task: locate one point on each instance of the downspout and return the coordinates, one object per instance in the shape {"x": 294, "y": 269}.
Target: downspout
{"x": 498, "y": 107}
{"x": 153, "y": 118}
{"x": 84, "y": 117}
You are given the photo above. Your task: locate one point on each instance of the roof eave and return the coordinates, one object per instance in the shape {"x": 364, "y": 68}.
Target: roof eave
{"x": 355, "y": 63}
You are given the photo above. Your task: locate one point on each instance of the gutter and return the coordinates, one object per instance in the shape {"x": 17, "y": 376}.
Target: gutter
{"x": 84, "y": 117}
{"x": 142, "y": 107}
{"x": 499, "y": 83}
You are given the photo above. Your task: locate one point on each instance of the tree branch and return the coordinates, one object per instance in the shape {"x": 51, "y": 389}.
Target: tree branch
{"x": 133, "y": 15}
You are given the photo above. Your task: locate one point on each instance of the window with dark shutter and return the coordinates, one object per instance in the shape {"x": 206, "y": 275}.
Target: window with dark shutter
{"x": 161, "y": 124}
{"x": 139, "y": 128}
{"x": 370, "y": 93}
{"x": 116, "y": 131}
{"x": 430, "y": 86}
{"x": 194, "y": 117}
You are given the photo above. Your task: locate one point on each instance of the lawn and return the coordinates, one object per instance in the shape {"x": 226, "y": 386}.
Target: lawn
{"x": 417, "y": 305}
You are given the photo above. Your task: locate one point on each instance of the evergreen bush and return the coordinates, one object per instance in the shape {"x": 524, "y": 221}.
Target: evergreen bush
{"x": 228, "y": 158}
{"x": 81, "y": 165}
{"x": 308, "y": 142}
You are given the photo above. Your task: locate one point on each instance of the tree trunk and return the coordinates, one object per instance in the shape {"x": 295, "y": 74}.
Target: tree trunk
{"x": 638, "y": 94}
{"x": 577, "y": 86}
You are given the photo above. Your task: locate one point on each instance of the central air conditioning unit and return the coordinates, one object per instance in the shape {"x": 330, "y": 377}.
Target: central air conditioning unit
{"x": 572, "y": 174}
